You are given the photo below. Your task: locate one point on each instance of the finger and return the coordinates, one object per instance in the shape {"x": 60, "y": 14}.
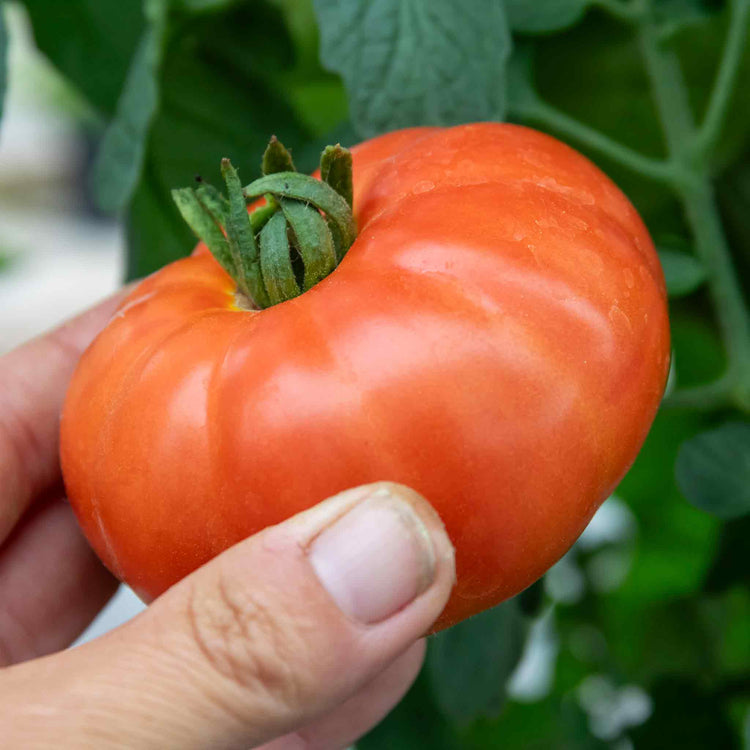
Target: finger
{"x": 51, "y": 584}
{"x": 271, "y": 635}
{"x": 33, "y": 381}
{"x": 365, "y": 710}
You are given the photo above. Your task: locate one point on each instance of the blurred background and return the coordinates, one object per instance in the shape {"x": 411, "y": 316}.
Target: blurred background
{"x": 640, "y": 636}
{"x": 58, "y": 254}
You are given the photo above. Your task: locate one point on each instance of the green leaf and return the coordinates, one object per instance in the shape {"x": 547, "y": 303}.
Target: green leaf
{"x": 155, "y": 233}
{"x": 408, "y": 62}
{"x": 469, "y": 664}
{"x": 673, "y": 553}
{"x": 682, "y": 272}
{"x": 120, "y": 159}
{"x": 216, "y": 102}
{"x": 713, "y": 470}
{"x": 554, "y": 723}
{"x": 544, "y": 16}
{"x": 91, "y": 42}
{"x": 414, "y": 723}
{"x": 522, "y": 97}
{"x": 3, "y": 57}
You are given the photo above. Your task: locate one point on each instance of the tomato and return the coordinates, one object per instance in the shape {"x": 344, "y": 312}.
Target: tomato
{"x": 496, "y": 338}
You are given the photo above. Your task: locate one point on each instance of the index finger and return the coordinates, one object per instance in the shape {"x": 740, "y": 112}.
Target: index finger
{"x": 33, "y": 381}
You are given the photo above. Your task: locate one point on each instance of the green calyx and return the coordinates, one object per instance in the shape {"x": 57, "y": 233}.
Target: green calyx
{"x": 285, "y": 247}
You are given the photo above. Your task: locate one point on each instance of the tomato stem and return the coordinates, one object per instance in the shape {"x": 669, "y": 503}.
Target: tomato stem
{"x": 687, "y": 171}
{"x": 286, "y": 246}
{"x": 336, "y": 170}
{"x": 696, "y": 192}
{"x": 276, "y": 158}
{"x": 710, "y": 131}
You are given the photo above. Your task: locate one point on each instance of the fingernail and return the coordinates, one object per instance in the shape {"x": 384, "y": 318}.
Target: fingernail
{"x": 375, "y": 559}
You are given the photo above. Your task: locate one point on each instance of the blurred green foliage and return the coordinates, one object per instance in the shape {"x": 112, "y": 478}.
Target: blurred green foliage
{"x": 650, "y": 642}
{"x": 5, "y": 261}
{"x": 3, "y": 60}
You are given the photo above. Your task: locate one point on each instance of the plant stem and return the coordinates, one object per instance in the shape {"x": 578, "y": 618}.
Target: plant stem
{"x": 708, "y": 397}
{"x": 702, "y": 213}
{"x": 630, "y": 12}
{"x": 669, "y": 91}
{"x": 721, "y": 95}
{"x": 697, "y": 195}
{"x": 303, "y": 231}
{"x": 548, "y": 115}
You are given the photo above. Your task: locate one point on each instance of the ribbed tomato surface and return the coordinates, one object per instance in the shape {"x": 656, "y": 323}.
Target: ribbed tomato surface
{"x": 496, "y": 338}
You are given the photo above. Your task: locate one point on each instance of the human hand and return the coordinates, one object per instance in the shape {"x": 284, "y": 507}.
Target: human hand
{"x": 303, "y": 636}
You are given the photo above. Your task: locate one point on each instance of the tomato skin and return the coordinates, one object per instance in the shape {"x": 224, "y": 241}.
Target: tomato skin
{"x": 496, "y": 338}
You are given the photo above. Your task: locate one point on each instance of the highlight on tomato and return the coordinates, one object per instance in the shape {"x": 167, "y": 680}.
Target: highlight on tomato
{"x": 476, "y": 312}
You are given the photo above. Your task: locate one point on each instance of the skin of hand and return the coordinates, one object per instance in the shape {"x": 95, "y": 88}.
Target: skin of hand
{"x": 303, "y": 636}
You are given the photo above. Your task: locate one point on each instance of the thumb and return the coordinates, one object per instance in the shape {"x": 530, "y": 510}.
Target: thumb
{"x": 270, "y": 635}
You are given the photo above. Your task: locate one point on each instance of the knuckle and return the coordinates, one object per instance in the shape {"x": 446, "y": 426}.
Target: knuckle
{"x": 245, "y": 640}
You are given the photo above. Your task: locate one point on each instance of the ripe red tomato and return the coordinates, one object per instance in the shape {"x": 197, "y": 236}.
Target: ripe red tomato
{"x": 496, "y": 338}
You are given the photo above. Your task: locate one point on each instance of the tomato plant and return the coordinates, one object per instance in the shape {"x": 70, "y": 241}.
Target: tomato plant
{"x": 496, "y": 337}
